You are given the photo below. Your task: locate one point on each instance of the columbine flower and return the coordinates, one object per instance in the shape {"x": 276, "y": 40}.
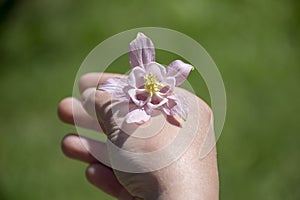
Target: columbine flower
{"x": 149, "y": 86}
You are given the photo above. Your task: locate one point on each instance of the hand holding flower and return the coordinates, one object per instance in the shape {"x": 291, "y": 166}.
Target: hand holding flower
{"x": 149, "y": 87}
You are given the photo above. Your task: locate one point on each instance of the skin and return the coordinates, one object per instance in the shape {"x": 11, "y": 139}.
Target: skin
{"x": 189, "y": 177}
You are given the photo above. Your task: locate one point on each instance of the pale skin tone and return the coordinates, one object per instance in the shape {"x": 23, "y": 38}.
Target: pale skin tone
{"x": 189, "y": 177}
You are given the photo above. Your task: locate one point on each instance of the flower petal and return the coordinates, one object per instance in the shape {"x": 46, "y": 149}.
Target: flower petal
{"x": 158, "y": 70}
{"x": 153, "y": 106}
{"x": 181, "y": 107}
{"x": 116, "y": 87}
{"x": 141, "y": 51}
{"x": 137, "y": 116}
{"x": 136, "y": 77}
{"x": 179, "y": 70}
{"x": 177, "y": 105}
{"x": 139, "y": 97}
{"x": 169, "y": 85}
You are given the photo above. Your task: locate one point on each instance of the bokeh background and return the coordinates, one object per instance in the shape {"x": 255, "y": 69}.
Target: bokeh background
{"x": 255, "y": 44}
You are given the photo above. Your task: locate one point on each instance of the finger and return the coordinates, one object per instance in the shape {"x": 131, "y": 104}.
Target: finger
{"x": 105, "y": 179}
{"x": 93, "y": 79}
{"x": 71, "y": 111}
{"x": 99, "y": 104}
{"x": 85, "y": 149}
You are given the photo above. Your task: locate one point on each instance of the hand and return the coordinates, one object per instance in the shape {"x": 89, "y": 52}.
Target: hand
{"x": 189, "y": 177}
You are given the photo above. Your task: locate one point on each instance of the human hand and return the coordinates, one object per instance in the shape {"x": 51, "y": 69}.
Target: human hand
{"x": 188, "y": 177}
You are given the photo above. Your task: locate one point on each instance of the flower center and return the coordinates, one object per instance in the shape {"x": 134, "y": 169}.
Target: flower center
{"x": 151, "y": 84}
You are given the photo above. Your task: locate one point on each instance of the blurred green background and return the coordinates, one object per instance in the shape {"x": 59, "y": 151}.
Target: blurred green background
{"x": 255, "y": 44}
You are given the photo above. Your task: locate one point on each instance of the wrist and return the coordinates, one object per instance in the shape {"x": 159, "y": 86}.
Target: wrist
{"x": 199, "y": 180}
{"x": 199, "y": 191}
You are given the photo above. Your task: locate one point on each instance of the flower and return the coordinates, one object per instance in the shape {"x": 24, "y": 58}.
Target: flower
{"x": 149, "y": 86}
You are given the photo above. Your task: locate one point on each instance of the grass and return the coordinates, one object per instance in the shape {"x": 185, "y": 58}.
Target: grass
{"x": 254, "y": 43}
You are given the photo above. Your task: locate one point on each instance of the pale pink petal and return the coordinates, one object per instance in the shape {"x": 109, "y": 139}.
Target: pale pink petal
{"x": 141, "y": 51}
{"x": 116, "y": 87}
{"x": 158, "y": 70}
{"x": 169, "y": 85}
{"x": 182, "y": 107}
{"x": 136, "y": 77}
{"x": 179, "y": 70}
{"x": 167, "y": 108}
{"x": 139, "y": 97}
{"x": 177, "y": 106}
{"x": 153, "y": 106}
{"x": 137, "y": 116}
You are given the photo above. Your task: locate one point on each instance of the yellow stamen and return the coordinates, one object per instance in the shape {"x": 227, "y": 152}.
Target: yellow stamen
{"x": 151, "y": 84}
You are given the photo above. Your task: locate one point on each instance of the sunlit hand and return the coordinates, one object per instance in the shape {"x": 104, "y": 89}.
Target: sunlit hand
{"x": 188, "y": 177}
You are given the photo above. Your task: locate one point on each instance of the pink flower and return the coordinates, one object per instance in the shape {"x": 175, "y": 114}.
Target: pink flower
{"x": 149, "y": 86}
